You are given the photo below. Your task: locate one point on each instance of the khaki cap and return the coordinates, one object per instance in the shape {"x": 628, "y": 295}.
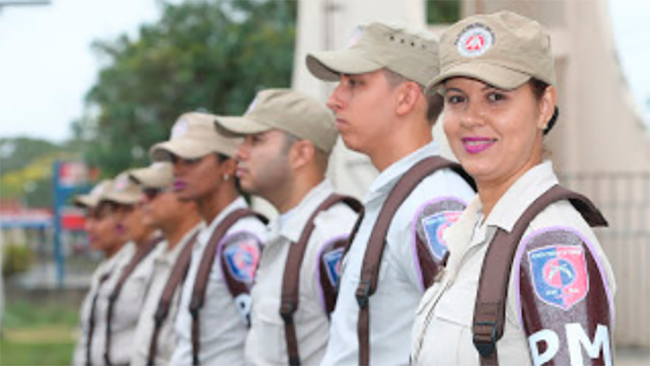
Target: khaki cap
{"x": 503, "y": 49}
{"x": 91, "y": 199}
{"x": 375, "y": 46}
{"x": 123, "y": 191}
{"x": 156, "y": 175}
{"x": 194, "y": 136}
{"x": 286, "y": 110}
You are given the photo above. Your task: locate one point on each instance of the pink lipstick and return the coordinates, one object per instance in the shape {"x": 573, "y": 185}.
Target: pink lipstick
{"x": 179, "y": 185}
{"x": 475, "y": 145}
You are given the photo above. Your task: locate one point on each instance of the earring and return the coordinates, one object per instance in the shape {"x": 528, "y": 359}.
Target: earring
{"x": 226, "y": 177}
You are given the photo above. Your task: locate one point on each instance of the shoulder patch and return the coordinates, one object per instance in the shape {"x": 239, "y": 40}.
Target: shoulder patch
{"x": 557, "y": 267}
{"x": 241, "y": 253}
{"x": 433, "y": 218}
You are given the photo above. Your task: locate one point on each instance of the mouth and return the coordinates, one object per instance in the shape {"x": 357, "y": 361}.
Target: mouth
{"x": 179, "y": 185}
{"x": 341, "y": 123}
{"x": 240, "y": 171}
{"x": 475, "y": 145}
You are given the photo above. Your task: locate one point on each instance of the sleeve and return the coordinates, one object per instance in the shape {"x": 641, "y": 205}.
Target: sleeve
{"x": 240, "y": 251}
{"x": 332, "y": 233}
{"x": 564, "y": 300}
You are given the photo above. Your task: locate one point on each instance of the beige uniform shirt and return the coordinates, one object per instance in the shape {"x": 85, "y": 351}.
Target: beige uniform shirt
{"x": 442, "y": 334}
{"x": 399, "y": 289}
{"x": 111, "y": 266}
{"x": 163, "y": 263}
{"x": 223, "y": 331}
{"x": 266, "y": 344}
{"x": 126, "y": 311}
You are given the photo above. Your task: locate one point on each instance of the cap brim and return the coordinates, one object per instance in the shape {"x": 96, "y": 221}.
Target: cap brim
{"x": 498, "y": 76}
{"x": 238, "y": 126}
{"x": 185, "y": 149}
{"x": 146, "y": 177}
{"x": 329, "y": 65}
{"x": 85, "y": 201}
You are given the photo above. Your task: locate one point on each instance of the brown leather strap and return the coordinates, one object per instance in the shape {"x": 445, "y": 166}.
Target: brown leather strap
{"x": 203, "y": 272}
{"x": 491, "y": 295}
{"x": 291, "y": 280}
{"x": 139, "y": 255}
{"x": 375, "y": 248}
{"x": 91, "y": 318}
{"x": 177, "y": 275}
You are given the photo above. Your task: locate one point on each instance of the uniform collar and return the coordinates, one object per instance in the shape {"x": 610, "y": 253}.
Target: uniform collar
{"x": 389, "y": 177}
{"x": 205, "y": 234}
{"x": 292, "y": 223}
{"x": 520, "y": 195}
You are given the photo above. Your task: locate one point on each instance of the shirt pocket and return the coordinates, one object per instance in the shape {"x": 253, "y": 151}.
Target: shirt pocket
{"x": 456, "y": 309}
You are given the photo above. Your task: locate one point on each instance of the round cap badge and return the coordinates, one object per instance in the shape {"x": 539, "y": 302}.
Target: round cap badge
{"x": 180, "y": 128}
{"x": 475, "y": 40}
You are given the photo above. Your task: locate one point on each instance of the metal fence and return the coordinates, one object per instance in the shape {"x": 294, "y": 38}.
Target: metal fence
{"x": 624, "y": 199}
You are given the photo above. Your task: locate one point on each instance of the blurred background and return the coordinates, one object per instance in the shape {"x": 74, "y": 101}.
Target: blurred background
{"x": 87, "y": 86}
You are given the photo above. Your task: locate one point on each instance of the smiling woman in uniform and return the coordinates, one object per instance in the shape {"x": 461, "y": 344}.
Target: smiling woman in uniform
{"x": 554, "y": 299}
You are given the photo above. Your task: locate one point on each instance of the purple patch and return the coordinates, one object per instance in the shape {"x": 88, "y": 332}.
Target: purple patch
{"x": 559, "y": 275}
{"x": 242, "y": 258}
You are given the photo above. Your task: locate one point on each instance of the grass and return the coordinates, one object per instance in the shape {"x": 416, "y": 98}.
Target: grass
{"x": 37, "y": 334}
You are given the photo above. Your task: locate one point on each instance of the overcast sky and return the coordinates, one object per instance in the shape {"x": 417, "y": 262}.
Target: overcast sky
{"x": 46, "y": 64}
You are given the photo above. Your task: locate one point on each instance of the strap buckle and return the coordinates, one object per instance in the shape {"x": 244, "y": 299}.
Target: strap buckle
{"x": 287, "y": 308}
{"x": 363, "y": 294}
{"x": 485, "y": 342}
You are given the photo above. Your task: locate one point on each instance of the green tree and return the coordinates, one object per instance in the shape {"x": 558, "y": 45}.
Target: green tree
{"x": 443, "y": 11}
{"x": 210, "y": 55}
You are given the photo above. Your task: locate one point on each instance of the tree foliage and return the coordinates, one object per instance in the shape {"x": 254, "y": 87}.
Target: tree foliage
{"x": 210, "y": 55}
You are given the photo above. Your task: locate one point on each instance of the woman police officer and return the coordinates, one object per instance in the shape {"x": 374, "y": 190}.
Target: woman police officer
{"x": 497, "y": 79}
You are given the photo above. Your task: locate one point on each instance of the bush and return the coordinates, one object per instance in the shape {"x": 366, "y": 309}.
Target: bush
{"x": 16, "y": 258}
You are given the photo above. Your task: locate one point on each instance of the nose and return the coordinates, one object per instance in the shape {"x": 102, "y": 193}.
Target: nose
{"x": 242, "y": 150}
{"x": 335, "y": 101}
{"x": 472, "y": 116}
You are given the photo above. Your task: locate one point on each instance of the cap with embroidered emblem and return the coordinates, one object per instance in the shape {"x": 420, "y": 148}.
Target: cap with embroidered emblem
{"x": 286, "y": 110}
{"x": 412, "y": 54}
{"x": 123, "y": 190}
{"x": 503, "y": 49}
{"x": 194, "y": 136}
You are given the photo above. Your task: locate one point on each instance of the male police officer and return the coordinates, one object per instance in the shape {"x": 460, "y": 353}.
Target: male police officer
{"x": 179, "y": 223}
{"x": 212, "y": 321}
{"x": 381, "y": 111}
{"x": 283, "y": 159}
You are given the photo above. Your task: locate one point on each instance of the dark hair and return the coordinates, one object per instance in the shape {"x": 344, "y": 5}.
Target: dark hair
{"x": 435, "y": 104}
{"x": 539, "y": 87}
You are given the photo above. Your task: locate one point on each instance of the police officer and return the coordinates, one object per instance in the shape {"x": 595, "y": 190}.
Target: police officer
{"x": 498, "y": 83}
{"x": 381, "y": 111}
{"x": 288, "y": 140}
{"x": 103, "y": 235}
{"x": 128, "y": 289}
{"x": 204, "y": 172}
{"x": 179, "y": 222}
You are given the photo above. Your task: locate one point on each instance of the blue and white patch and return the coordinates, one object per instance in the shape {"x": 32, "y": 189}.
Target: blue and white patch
{"x": 332, "y": 261}
{"x": 242, "y": 255}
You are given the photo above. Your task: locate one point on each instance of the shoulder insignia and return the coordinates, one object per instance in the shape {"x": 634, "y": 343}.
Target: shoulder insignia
{"x": 242, "y": 254}
{"x": 433, "y": 218}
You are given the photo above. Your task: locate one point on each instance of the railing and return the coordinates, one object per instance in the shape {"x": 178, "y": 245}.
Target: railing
{"x": 624, "y": 199}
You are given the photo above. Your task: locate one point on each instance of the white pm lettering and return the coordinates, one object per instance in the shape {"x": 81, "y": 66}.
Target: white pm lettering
{"x": 243, "y": 302}
{"x": 577, "y": 339}
{"x": 576, "y": 336}
{"x": 552, "y": 346}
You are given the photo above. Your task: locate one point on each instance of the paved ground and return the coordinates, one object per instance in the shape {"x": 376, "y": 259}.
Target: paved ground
{"x": 632, "y": 357}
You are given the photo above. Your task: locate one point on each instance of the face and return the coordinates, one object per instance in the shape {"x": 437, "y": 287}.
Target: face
{"x": 196, "y": 179}
{"x": 364, "y": 105}
{"x": 263, "y": 162}
{"x": 101, "y": 228}
{"x": 160, "y": 207}
{"x": 495, "y": 134}
{"x": 130, "y": 218}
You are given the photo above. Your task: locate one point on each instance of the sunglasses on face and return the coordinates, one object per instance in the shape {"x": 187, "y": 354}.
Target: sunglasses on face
{"x": 152, "y": 193}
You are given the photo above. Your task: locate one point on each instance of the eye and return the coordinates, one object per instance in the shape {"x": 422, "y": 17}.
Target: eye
{"x": 496, "y": 96}
{"x": 454, "y": 99}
